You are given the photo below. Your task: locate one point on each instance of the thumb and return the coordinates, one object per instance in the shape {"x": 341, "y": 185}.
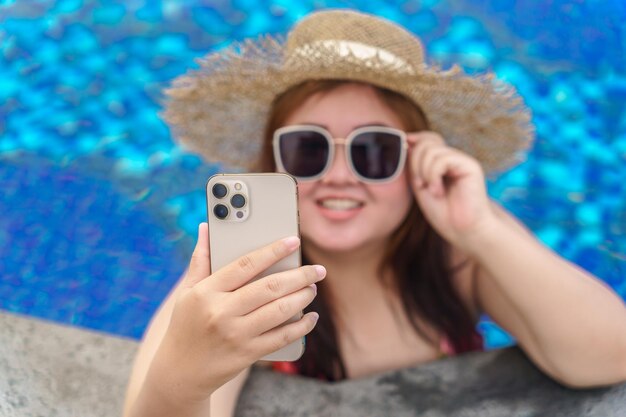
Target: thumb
{"x": 200, "y": 264}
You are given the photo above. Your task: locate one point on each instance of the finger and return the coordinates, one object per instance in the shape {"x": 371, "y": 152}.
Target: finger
{"x": 416, "y": 137}
{"x": 429, "y": 157}
{"x": 447, "y": 165}
{"x": 420, "y": 142}
{"x": 282, "y": 336}
{"x": 423, "y": 142}
{"x": 243, "y": 269}
{"x": 200, "y": 263}
{"x": 435, "y": 171}
{"x": 278, "y": 311}
{"x": 269, "y": 288}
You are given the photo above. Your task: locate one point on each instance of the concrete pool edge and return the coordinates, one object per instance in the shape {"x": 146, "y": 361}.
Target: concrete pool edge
{"x": 48, "y": 369}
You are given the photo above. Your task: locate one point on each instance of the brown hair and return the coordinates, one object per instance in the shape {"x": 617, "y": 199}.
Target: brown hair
{"x": 424, "y": 284}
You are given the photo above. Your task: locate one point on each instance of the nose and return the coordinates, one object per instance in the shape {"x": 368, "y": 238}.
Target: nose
{"x": 339, "y": 172}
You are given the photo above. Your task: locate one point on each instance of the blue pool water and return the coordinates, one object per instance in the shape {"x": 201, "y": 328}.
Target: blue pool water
{"x": 99, "y": 207}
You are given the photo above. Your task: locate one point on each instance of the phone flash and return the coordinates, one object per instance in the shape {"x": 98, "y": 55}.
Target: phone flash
{"x": 237, "y": 186}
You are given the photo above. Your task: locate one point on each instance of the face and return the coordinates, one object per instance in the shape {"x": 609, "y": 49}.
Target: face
{"x": 339, "y": 212}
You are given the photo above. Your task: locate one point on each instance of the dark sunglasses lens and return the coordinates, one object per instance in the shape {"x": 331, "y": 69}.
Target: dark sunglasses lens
{"x": 376, "y": 155}
{"x": 303, "y": 153}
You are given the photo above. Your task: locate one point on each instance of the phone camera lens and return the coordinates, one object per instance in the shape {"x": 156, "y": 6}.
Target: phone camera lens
{"x": 238, "y": 201}
{"x": 220, "y": 211}
{"x": 220, "y": 190}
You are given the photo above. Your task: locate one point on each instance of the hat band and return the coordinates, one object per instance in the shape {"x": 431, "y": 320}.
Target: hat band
{"x": 370, "y": 55}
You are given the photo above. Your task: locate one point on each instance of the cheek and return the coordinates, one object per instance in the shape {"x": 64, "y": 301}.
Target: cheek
{"x": 304, "y": 191}
{"x": 306, "y": 204}
{"x": 394, "y": 201}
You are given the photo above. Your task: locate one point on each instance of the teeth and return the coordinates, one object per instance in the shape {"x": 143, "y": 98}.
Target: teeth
{"x": 339, "y": 204}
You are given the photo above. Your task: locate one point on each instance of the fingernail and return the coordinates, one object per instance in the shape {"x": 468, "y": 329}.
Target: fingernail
{"x": 321, "y": 271}
{"x": 291, "y": 242}
{"x": 314, "y": 288}
{"x": 315, "y": 317}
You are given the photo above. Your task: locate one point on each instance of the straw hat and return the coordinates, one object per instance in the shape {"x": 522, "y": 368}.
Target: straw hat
{"x": 219, "y": 111}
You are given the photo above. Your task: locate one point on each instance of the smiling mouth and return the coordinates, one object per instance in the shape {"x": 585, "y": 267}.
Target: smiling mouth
{"x": 340, "y": 204}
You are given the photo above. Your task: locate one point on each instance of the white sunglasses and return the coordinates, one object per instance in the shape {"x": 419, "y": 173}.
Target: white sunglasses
{"x": 375, "y": 154}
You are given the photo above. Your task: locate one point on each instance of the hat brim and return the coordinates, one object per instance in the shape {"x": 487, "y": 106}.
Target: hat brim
{"x": 219, "y": 111}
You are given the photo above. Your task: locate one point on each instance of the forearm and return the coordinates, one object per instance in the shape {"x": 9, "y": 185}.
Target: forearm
{"x": 151, "y": 403}
{"x": 155, "y": 400}
{"x": 565, "y": 318}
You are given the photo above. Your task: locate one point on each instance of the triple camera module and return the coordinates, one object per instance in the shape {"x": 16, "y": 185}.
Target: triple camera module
{"x": 236, "y": 203}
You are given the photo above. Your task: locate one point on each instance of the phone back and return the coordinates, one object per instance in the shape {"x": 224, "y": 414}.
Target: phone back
{"x": 246, "y": 212}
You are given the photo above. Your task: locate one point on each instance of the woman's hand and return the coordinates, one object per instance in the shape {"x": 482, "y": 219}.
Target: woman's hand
{"x": 449, "y": 186}
{"x": 220, "y": 326}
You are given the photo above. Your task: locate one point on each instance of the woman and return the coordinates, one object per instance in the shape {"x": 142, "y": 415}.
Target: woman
{"x": 419, "y": 241}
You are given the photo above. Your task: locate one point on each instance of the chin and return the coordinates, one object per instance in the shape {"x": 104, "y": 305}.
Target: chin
{"x": 335, "y": 241}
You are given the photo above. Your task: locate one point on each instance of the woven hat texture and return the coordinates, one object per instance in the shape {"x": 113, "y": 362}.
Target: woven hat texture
{"x": 219, "y": 110}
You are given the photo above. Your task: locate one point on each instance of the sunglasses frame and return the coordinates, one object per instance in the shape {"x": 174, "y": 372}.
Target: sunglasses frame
{"x": 347, "y": 142}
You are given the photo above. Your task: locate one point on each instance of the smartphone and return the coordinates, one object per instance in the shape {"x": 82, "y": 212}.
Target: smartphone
{"x": 246, "y": 212}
